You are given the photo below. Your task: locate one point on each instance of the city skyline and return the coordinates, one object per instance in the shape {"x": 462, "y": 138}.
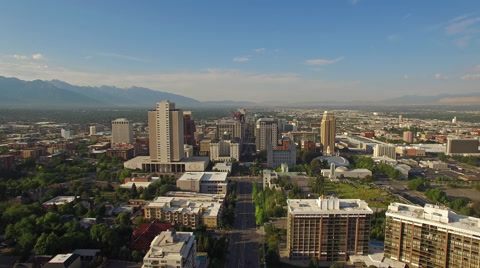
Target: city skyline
{"x": 248, "y": 51}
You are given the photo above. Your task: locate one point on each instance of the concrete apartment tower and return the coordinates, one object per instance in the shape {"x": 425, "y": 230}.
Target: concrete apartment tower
{"x": 408, "y": 136}
{"x": 266, "y": 132}
{"x": 122, "y": 131}
{"x": 329, "y": 229}
{"x": 327, "y": 132}
{"x": 166, "y": 133}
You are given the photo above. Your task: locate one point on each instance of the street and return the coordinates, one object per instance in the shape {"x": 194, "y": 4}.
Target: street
{"x": 243, "y": 247}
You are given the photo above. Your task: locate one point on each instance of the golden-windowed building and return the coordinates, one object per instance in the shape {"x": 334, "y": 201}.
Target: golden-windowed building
{"x": 431, "y": 236}
{"x": 329, "y": 229}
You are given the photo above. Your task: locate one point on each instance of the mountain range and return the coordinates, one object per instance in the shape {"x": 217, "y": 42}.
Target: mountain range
{"x": 55, "y": 93}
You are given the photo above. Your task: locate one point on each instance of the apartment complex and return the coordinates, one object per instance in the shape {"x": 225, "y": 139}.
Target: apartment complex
{"x": 329, "y": 229}
{"x": 187, "y": 209}
{"x": 171, "y": 249}
{"x": 327, "y": 132}
{"x": 431, "y": 236}
{"x": 204, "y": 182}
{"x": 266, "y": 132}
{"x": 122, "y": 131}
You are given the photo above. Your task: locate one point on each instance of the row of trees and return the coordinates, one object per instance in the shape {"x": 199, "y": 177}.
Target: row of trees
{"x": 268, "y": 203}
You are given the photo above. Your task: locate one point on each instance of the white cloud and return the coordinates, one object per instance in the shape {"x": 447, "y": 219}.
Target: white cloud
{"x": 405, "y": 76}
{"x": 20, "y": 57}
{"x": 461, "y": 25}
{"x": 241, "y": 59}
{"x": 471, "y": 77}
{"x": 38, "y": 57}
{"x": 26, "y": 57}
{"x": 441, "y": 77}
{"x": 474, "y": 75}
{"x": 259, "y": 50}
{"x": 323, "y": 61}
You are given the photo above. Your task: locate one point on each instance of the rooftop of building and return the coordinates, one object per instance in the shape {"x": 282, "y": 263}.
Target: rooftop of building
{"x": 66, "y": 259}
{"x": 168, "y": 243}
{"x": 59, "y": 200}
{"x": 330, "y": 205}
{"x": 120, "y": 120}
{"x": 204, "y": 176}
{"x": 435, "y": 215}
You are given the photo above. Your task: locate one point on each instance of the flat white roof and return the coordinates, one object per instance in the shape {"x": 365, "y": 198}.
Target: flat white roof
{"x": 204, "y": 176}
{"x": 59, "y": 200}
{"x": 61, "y": 258}
{"x": 439, "y": 216}
{"x": 331, "y": 205}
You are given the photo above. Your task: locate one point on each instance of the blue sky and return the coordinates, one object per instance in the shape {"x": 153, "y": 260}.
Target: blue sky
{"x": 288, "y": 51}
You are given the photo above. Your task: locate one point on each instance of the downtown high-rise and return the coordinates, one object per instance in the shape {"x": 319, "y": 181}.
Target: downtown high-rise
{"x": 166, "y": 133}
{"x": 327, "y": 133}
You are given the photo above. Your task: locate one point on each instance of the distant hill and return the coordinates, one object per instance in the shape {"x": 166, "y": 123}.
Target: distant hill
{"x": 14, "y": 91}
{"x": 18, "y": 93}
{"x": 132, "y": 96}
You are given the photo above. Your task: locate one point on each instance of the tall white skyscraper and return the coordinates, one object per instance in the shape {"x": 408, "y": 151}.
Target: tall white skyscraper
{"x": 122, "y": 131}
{"x": 327, "y": 132}
{"x": 166, "y": 133}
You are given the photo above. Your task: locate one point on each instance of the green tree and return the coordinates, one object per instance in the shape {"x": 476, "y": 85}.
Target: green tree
{"x": 123, "y": 219}
{"x": 102, "y": 233}
{"x": 314, "y": 263}
{"x": 133, "y": 191}
{"x": 47, "y": 244}
{"x": 26, "y": 242}
{"x": 316, "y": 167}
{"x": 418, "y": 184}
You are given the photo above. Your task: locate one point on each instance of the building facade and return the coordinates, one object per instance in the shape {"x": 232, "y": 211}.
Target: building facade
{"x": 329, "y": 229}
{"x": 462, "y": 146}
{"x": 327, "y": 133}
{"x": 122, "y": 131}
{"x": 204, "y": 182}
{"x": 287, "y": 153}
{"x": 171, "y": 249}
{"x": 166, "y": 133}
{"x": 408, "y": 136}
{"x": 188, "y": 128}
{"x": 224, "y": 150}
{"x": 234, "y": 128}
{"x": 187, "y": 209}
{"x": 384, "y": 150}
{"x": 431, "y": 236}
{"x": 266, "y": 132}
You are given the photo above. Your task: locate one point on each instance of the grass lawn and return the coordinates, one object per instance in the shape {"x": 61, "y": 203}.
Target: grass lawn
{"x": 371, "y": 194}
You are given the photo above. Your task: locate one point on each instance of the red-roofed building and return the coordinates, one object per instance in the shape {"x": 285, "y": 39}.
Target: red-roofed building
{"x": 144, "y": 235}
